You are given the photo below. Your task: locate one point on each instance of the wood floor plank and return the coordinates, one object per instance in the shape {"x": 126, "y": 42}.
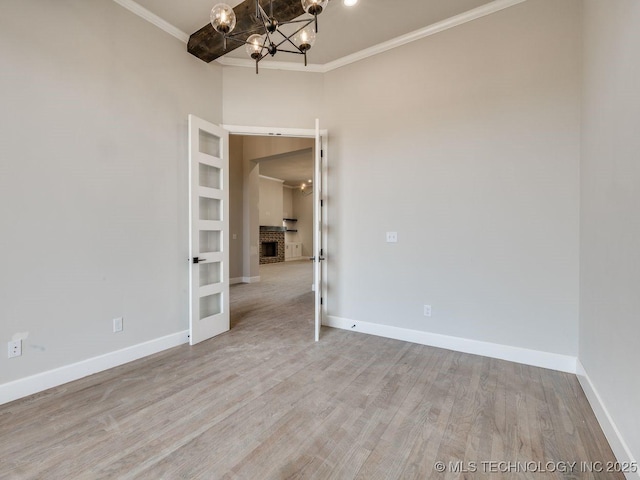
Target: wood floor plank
{"x": 389, "y": 455}
{"x": 424, "y": 452}
{"x": 266, "y": 401}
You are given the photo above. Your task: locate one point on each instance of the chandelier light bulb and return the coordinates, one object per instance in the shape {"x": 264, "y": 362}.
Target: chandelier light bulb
{"x": 223, "y": 18}
{"x": 314, "y": 7}
{"x": 254, "y": 46}
{"x": 305, "y": 38}
{"x": 350, "y": 3}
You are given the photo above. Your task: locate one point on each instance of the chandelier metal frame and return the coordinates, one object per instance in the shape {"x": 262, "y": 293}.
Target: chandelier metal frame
{"x": 267, "y": 39}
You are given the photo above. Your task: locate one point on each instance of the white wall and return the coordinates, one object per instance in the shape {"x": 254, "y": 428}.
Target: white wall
{"x": 303, "y": 211}
{"x": 610, "y": 223}
{"x": 270, "y": 204}
{"x": 467, "y": 144}
{"x": 93, "y": 179}
{"x": 287, "y": 202}
{"x": 236, "y": 206}
{"x": 286, "y": 99}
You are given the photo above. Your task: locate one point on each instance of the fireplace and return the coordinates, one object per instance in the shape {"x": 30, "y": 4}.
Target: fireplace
{"x": 271, "y": 244}
{"x": 269, "y": 249}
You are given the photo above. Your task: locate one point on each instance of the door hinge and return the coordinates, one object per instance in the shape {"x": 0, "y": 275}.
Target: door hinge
{"x": 321, "y": 301}
{"x": 321, "y": 251}
{"x": 322, "y": 203}
{"x": 321, "y": 153}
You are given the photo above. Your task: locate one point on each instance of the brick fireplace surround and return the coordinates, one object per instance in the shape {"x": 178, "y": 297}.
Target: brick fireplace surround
{"x": 272, "y": 234}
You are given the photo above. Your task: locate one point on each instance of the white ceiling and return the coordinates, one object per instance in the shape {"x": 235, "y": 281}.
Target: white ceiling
{"x": 295, "y": 168}
{"x": 342, "y": 30}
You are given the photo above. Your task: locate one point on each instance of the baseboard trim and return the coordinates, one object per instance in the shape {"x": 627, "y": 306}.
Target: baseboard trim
{"x": 536, "y": 358}
{"x": 616, "y": 441}
{"x": 42, "y": 381}
{"x": 236, "y": 280}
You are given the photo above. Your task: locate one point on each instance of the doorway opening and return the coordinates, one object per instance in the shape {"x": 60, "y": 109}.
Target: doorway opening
{"x": 276, "y": 177}
{"x": 271, "y": 213}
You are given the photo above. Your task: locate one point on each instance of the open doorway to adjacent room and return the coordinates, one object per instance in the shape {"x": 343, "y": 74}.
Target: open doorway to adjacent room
{"x": 271, "y": 223}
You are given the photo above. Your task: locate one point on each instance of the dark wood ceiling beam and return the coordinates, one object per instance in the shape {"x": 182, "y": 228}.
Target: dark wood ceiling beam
{"x": 207, "y": 44}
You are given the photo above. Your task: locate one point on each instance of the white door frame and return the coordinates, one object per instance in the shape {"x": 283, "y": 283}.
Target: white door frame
{"x": 304, "y": 133}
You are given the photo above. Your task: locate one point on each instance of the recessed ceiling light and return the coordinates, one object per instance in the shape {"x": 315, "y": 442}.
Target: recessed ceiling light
{"x": 350, "y": 3}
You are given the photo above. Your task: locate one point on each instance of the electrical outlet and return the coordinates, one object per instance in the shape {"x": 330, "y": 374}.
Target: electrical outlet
{"x": 427, "y": 310}
{"x": 15, "y": 348}
{"x": 392, "y": 237}
{"x": 117, "y": 325}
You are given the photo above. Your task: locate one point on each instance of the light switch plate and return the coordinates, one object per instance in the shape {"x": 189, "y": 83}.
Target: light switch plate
{"x": 118, "y": 325}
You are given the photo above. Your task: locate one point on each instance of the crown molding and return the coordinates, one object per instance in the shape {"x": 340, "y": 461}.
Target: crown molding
{"x": 154, "y": 19}
{"x": 456, "y": 20}
{"x": 427, "y": 31}
{"x": 271, "y": 178}
{"x": 271, "y": 65}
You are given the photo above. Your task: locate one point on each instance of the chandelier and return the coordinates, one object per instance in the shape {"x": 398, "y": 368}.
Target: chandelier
{"x": 306, "y": 188}
{"x": 267, "y": 38}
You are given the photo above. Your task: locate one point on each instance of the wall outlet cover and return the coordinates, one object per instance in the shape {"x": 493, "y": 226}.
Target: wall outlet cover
{"x": 15, "y": 348}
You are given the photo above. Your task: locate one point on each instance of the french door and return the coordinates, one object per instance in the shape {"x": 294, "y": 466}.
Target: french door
{"x": 208, "y": 230}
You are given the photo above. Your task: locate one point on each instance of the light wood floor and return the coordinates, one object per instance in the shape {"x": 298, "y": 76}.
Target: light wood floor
{"x": 264, "y": 401}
